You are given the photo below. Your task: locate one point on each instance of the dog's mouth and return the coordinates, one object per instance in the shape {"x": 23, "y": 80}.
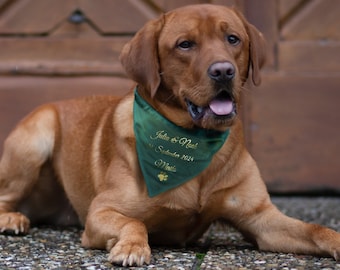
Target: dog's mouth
{"x": 221, "y": 107}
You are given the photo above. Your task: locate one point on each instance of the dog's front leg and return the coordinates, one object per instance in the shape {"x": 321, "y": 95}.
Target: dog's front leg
{"x": 125, "y": 238}
{"x": 273, "y": 231}
{"x": 249, "y": 208}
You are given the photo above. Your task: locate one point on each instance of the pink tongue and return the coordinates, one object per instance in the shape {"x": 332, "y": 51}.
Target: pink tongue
{"x": 221, "y": 107}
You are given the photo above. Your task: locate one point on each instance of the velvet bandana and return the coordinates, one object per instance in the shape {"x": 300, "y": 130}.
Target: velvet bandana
{"x": 170, "y": 155}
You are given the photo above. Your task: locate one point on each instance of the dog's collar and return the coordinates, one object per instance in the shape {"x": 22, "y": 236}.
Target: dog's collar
{"x": 170, "y": 155}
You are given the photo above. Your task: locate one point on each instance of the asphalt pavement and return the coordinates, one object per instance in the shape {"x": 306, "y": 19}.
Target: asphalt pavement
{"x": 220, "y": 248}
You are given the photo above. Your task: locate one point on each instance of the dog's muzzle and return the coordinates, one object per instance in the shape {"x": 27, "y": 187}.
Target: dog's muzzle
{"x": 222, "y": 107}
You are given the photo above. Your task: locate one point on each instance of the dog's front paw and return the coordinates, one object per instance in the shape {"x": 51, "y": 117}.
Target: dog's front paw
{"x": 130, "y": 253}
{"x": 14, "y": 223}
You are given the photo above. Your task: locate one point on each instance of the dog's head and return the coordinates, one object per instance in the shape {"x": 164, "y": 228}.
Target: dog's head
{"x": 192, "y": 62}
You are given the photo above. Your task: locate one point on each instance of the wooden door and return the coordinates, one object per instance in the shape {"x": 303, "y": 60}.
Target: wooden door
{"x": 293, "y": 129}
{"x": 57, "y": 49}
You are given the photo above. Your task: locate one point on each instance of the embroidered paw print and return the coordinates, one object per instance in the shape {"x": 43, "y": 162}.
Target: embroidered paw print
{"x": 162, "y": 176}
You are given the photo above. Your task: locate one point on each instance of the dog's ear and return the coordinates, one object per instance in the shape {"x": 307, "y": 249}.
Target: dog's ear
{"x": 257, "y": 49}
{"x": 257, "y": 52}
{"x": 139, "y": 56}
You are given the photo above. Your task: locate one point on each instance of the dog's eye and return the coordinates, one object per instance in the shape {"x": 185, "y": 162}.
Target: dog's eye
{"x": 233, "y": 40}
{"x": 186, "y": 45}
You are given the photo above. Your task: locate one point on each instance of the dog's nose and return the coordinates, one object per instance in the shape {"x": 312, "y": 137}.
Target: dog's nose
{"x": 221, "y": 71}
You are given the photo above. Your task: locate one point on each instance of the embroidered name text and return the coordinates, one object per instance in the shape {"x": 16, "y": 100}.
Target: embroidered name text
{"x": 165, "y": 165}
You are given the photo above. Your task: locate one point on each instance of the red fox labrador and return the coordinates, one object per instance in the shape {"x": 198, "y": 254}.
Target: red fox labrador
{"x": 162, "y": 163}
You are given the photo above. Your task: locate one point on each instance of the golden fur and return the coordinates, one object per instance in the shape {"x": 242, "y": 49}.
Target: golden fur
{"x": 86, "y": 148}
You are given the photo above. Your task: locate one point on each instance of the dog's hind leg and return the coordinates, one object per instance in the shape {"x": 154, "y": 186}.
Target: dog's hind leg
{"x": 249, "y": 208}
{"x": 26, "y": 149}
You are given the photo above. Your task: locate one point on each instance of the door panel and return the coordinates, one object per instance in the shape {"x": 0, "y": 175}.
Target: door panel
{"x": 293, "y": 129}
{"x": 296, "y": 132}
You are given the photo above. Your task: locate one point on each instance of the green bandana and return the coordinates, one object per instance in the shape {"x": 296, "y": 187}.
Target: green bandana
{"x": 170, "y": 155}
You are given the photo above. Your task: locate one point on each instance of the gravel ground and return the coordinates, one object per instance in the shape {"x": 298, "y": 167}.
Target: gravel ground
{"x": 220, "y": 248}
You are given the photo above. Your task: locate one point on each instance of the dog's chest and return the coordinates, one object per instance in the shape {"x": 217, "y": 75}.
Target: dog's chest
{"x": 177, "y": 227}
{"x": 180, "y": 218}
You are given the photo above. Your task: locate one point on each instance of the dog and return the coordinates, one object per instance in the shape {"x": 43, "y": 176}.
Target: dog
{"x": 162, "y": 163}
